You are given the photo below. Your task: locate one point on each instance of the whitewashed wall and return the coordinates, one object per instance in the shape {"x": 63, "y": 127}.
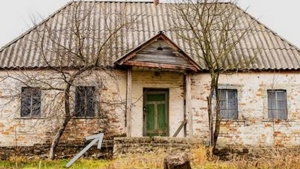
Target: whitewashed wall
{"x": 17, "y": 131}
{"x": 252, "y": 128}
{"x": 168, "y": 80}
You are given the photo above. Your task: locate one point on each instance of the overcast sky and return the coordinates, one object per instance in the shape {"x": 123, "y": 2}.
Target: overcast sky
{"x": 282, "y": 16}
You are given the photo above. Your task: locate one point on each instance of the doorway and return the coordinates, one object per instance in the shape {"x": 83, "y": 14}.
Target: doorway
{"x": 155, "y": 111}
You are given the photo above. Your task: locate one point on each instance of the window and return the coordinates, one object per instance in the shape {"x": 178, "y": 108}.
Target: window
{"x": 277, "y": 104}
{"x": 228, "y": 103}
{"x": 30, "y": 102}
{"x": 84, "y": 101}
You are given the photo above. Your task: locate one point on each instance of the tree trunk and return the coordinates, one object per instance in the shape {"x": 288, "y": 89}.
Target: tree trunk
{"x": 57, "y": 137}
{"x": 177, "y": 161}
{"x": 63, "y": 126}
{"x": 218, "y": 115}
{"x": 214, "y": 128}
{"x": 210, "y": 111}
{"x": 210, "y": 120}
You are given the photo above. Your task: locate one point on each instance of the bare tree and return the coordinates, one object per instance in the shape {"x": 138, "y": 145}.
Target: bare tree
{"x": 212, "y": 29}
{"x": 70, "y": 48}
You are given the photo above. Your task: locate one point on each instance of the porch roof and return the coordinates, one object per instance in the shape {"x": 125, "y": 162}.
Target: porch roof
{"x": 158, "y": 52}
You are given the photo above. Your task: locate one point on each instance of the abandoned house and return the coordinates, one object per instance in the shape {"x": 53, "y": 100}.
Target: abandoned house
{"x": 133, "y": 73}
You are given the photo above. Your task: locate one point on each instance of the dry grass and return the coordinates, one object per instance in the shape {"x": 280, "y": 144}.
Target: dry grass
{"x": 154, "y": 160}
{"x": 269, "y": 160}
{"x": 151, "y": 160}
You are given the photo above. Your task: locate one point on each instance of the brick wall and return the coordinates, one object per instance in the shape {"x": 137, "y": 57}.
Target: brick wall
{"x": 17, "y": 131}
{"x": 252, "y": 128}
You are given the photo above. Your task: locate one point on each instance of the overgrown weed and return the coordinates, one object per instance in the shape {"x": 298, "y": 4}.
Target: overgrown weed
{"x": 154, "y": 160}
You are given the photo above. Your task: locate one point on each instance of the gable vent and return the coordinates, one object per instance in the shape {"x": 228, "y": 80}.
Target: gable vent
{"x": 160, "y": 48}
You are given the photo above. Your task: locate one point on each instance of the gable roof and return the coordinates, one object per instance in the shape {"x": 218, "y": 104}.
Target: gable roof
{"x": 159, "y": 52}
{"x": 26, "y": 52}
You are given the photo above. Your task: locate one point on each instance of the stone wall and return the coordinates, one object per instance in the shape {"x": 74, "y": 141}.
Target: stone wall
{"x": 123, "y": 145}
{"x": 119, "y": 146}
{"x": 62, "y": 151}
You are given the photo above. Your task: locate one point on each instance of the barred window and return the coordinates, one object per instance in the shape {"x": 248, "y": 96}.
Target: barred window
{"x": 85, "y": 101}
{"x": 277, "y": 104}
{"x": 30, "y": 102}
{"x": 228, "y": 103}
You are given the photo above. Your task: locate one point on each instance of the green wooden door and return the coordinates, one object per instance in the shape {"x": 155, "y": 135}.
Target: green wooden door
{"x": 156, "y": 113}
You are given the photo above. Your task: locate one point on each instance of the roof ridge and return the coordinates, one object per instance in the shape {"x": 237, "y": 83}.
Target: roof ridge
{"x": 118, "y": 1}
{"x": 35, "y": 26}
{"x": 144, "y": 1}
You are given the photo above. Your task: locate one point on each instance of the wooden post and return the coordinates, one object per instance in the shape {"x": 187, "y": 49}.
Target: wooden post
{"x": 128, "y": 101}
{"x": 188, "y": 104}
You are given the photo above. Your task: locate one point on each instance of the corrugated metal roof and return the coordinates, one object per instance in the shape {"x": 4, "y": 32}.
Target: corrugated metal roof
{"x": 39, "y": 47}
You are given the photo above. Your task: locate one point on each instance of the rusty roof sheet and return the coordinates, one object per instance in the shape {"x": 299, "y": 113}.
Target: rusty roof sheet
{"x": 39, "y": 48}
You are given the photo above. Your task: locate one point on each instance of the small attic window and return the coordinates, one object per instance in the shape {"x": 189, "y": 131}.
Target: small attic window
{"x": 160, "y": 48}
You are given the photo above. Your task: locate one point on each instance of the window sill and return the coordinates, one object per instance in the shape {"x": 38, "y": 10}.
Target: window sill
{"x": 233, "y": 120}
{"x": 94, "y": 117}
{"x": 278, "y": 120}
{"x": 29, "y": 118}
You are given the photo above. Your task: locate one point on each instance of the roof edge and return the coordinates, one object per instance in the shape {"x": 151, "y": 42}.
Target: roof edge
{"x": 35, "y": 26}
{"x": 266, "y": 27}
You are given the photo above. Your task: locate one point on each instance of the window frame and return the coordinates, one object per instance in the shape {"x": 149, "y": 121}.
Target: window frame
{"x": 85, "y": 97}
{"x": 281, "y": 113}
{"x": 34, "y": 94}
{"x": 228, "y": 116}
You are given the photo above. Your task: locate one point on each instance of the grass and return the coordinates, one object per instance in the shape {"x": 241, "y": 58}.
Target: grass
{"x": 154, "y": 160}
{"x": 56, "y": 164}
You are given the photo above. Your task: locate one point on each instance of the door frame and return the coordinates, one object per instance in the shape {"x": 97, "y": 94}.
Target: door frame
{"x": 155, "y": 91}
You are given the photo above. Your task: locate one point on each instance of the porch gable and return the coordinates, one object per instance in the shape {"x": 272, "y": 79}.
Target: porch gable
{"x": 161, "y": 53}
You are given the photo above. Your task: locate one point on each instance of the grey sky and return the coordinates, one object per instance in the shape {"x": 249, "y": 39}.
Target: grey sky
{"x": 280, "y": 16}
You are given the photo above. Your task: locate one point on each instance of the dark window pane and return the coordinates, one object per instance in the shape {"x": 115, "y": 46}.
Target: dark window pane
{"x": 36, "y": 103}
{"x": 271, "y": 114}
{"x": 281, "y": 114}
{"x": 223, "y": 105}
{"x": 281, "y": 95}
{"x": 228, "y": 103}
{"x": 30, "y": 102}
{"x": 277, "y": 104}
{"x": 224, "y": 114}
{"x": 232, "y": 103}
{"x": 79, "y": 101}
{"x": 222, "y": 93}
{"x": 232, "y": 114}
{"x": 271, "y": 95}
{"x": 84, "y": 101}
{"x": 271, "y": 104}
{"x": 25, "y": 106}
{"x": 156, "y": 97}
{"x": 90, "y": 110}
{"x": 281, "y": 104}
